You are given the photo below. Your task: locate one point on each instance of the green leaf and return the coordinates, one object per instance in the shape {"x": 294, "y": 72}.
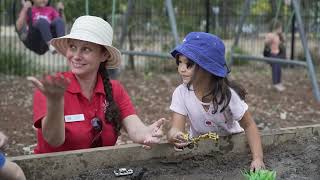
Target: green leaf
{"x": 259, "y": 175}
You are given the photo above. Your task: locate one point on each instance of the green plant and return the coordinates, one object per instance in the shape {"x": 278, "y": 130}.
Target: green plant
{"x": 259, "y": 175}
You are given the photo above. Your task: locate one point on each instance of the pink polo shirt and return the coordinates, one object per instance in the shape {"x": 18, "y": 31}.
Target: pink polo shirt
{"x": 79, "y": 134}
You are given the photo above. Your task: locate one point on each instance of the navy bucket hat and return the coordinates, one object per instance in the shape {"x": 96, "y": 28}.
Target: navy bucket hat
{"x": 206, "y": 50}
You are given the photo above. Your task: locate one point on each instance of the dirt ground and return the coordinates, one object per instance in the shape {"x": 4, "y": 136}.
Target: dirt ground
{"x": 296, "y": 159}
{"x": 151, "y": 94}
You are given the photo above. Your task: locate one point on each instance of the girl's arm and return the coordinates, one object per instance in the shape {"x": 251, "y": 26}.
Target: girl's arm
{"x": 11, "y": 170}
{"x": 21, "y": 21}
{"x": 3, "y": 140}
{"x": 254, "y": 140}
{"x": 175, "y": 134}
{"x": 177, "y": 125}
{"x": 60, "y": 9}
{"x": 142, "y": 134}
{"x": 8, "y": 169}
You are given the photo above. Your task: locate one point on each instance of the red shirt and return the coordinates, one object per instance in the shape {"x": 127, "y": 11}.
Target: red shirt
{"x": 79, "y": 134}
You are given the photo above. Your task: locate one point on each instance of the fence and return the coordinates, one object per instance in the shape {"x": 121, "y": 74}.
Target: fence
{"x": 148, "y": 29}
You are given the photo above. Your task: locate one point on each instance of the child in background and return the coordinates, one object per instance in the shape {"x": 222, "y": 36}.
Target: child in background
{"x": 275, "y": 48}
{"x": 206, "y": 98}
{"x": 37, "y": 24}
{"x": 8, "y": 169}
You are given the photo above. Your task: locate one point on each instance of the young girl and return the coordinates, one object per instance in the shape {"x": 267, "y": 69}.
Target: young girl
{"x": 206, "y": 98}
{"x": 37, "y": 24}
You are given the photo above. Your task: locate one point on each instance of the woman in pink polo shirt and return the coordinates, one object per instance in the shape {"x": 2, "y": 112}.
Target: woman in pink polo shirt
{"x": 83, "y": 108}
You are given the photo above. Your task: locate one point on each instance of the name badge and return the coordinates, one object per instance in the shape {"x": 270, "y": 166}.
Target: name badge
{"x": 74, "y": 118}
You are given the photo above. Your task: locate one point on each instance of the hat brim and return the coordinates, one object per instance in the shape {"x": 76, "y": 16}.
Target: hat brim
{"x": 61, "y": 45}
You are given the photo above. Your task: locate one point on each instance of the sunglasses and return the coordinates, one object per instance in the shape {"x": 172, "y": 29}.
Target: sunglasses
{"x": 97, "y": 128}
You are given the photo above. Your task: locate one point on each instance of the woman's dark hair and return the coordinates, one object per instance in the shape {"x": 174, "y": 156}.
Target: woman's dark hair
{"x": 112, "y": 113}
{"x": 221, "y": 93}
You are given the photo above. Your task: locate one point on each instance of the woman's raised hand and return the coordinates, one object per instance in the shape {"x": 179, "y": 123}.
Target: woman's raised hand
{"x": 52, "y": 87}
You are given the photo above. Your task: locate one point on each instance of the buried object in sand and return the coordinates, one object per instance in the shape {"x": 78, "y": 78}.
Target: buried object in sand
{"x": 123, "y": 172}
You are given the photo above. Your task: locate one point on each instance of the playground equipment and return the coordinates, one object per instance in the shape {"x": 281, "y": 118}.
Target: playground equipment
{"x": 124, "y": 32}
{"x": 308, "y": 64}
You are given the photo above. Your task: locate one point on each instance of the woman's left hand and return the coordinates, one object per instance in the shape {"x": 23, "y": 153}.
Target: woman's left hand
{"x": 153, "y": 133}
{"x": 257, "y": 164}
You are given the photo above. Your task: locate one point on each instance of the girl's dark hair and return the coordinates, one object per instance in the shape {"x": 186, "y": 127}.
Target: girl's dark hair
{"x": 221, "y": 92}
{"x": 189, "y": 64}
{"x": 112, "y": 113}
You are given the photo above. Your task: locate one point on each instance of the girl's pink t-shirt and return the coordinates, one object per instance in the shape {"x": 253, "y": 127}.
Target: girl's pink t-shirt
{"x": 48, "y": 13}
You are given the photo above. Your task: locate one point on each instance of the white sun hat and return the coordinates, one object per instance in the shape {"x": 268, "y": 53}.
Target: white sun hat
{"x": 92, "y": 29}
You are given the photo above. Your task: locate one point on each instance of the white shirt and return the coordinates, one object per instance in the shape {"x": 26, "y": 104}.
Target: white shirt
{"x": 224, "y": 123}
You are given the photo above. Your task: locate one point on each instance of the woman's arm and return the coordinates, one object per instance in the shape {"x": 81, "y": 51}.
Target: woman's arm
{"x": 22, "y": 18}
{"x": 52, "y": 125}
{"x": 142, "y": 134}
{"x": 254, "y": 140}
{"x": 53, "y": 129}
